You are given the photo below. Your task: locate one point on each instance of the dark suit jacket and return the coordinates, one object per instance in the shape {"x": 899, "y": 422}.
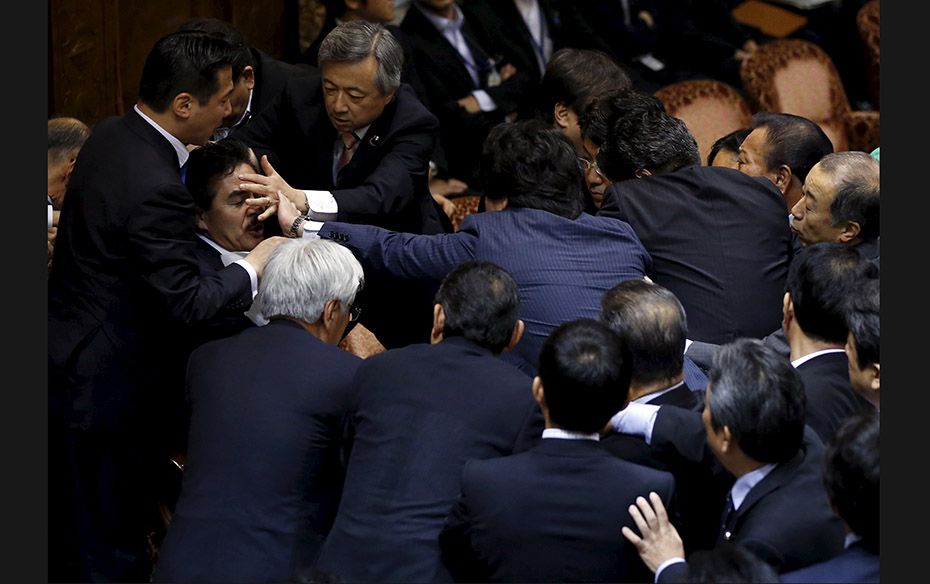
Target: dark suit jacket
{"x": 561, "y": 266}
{"x": 786, "y": 518}
{"x": 125, "y": 279}
{"x": 719, "y": 241}
{"x": 830, "y": 396}
{"x": 420, "y": 413}
{"x": 699, "y": 494}
{"x": 552, "y": 514}
{"x": 385, "y": 183}
{"x": 445, "y": 79}
{"x": 263, "y": 473}
{"x": 271, "y": 76}
{"x": 563, "y": 23}
{"x": 855, "y": 565}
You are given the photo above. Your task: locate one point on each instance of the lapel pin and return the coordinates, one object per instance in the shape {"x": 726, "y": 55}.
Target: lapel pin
{"x": 375, "y": 140}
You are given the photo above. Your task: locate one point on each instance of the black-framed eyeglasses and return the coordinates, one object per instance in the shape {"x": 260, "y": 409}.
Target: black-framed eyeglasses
{"x": 590, "y": 165}
{"x": 354, "y": 313}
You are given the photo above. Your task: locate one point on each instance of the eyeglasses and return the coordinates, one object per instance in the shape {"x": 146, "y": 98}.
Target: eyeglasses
{"x": 591, "y": 165}
{"x": 354, "y": 313}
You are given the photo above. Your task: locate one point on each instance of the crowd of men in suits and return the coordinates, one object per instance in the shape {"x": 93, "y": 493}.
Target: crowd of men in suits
{"x": 627, "y": 364}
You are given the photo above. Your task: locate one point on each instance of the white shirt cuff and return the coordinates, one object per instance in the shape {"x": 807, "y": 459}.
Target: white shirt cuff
{"x": 253, "y": 275}
{"x": 688, "y": 343}
{"x": 50, "y": 211}
{"x": 312, "y": 228}
{"x": 321, "y": 202}
{"x": 666, "y": 564}
{"x": 484, "y": 100}
{"x": 636, "y": 420}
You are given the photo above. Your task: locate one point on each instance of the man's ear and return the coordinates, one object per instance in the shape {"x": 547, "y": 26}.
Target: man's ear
{"x": 561, "y": 114}
{"x": 787, "y": 311}
{"x": 182, "y": 105}
{"x": 515, "y": 335}
{"x": 782, "y": 178}
{"x": 539, "y": 393}
{"x": 850, "y": 231}
{"x": 876, "y": 383}
{"x": 439, "y": 323}
{"x": 248, "y": 74}
{"x": 727, "y": 443}
{"x": 201, "y": 224}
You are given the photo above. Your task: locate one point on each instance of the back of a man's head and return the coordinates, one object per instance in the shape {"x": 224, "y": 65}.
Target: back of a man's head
{"x": 575, "y": 77}
{"x": 481, "y": 303}
{"x": 357, "y": 39}
{"x": 585, "y": 370}
{"x": 210, "y": 163}
{"x": 184, "y": 62}
{"x": 65, "y": 137}
{"x": 638, "y": 134}
{"x": 852, "y": 475}
{"x": 793, "y": 141}
{"x": 533, "y": 166}
{"x": 856, "y": 178}
{"x": 759, "y": 396}
{"x": 227, "y": 32}
{"x": 863, "y": 318}
{"x": 651, "y": 322}
{"x": 820, "y": 279}
{"x": 302, "y": 275}
{"x": 729, "y": 562}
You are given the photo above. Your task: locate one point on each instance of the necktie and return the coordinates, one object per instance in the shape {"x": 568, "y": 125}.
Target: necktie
{"x": 729, "y": 514}
{"x": 349, "y": 142}
{"x": 184, "y": 171}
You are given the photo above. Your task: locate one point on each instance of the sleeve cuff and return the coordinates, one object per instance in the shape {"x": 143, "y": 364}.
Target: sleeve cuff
{"x": 636, "y": 420}
{"x": 253, "y": 275}
{"x": 50, "y": 215}
{"x": 484, "y": 100}
{"x": 312, "y": 228}
{"x": 321, "y": 202}
{"x": 666, "y": 564}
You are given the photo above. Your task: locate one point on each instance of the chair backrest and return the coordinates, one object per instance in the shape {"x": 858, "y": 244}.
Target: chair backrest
{"x": 464, "y": 205}
{"x": 797, "y": 77}
{"x": 869, "y": 23}
{"x": 711, "y": 109}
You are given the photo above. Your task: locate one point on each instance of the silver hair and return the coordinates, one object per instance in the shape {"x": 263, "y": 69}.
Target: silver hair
{"x": 356, "y": 40}
{"x": 303, "y": 274}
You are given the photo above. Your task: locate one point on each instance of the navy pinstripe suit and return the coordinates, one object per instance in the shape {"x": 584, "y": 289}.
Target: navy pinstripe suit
{"x": 562, "y": 266}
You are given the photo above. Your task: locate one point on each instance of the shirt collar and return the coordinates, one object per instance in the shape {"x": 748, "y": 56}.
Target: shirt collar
{"x": 745, "y": 483}
{"x": 651, "y": 396}
{"x": 801, "y": 360}
{"x": 443, "y": 24}
{"x": 566, "y": 435}
{"x": 179, "y": 148}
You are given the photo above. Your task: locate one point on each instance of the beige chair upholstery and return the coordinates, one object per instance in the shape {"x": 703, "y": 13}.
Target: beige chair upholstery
{"x": 711, "y": 109}
{"x": 797, "y": 77}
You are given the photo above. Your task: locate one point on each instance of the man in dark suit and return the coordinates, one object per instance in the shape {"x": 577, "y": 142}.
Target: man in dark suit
{"x": 360, "y": 140}
{"x": 652, "y": 324}
{"x": 783, "y": 148}
{"x": 551, "y": 514}
{"x": 419, "y": 413}
{"x": 563, "y": 260}
{"x": 257, "y": 77}
{"x": 753, "y": 424}
{"x": 718, "y": 238}
{"x": 821, "y": 279}
{"x": 124, "y": 280}
{"x": 852, "y": 476}
{"x": 263, "y": 471}
{"x": 863, "y": 345}
{"x": 472, "y": 78}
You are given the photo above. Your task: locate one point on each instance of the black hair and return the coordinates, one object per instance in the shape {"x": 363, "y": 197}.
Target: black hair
{"x": 794, "y": 141}
{"x": 728, "y": 143}
{"x": 211, "y": 163}
{"x": 638, "y": 134}
{"x": 820, "y": 279}
{"x": 229, "y": 33}
{"x": 481, "y": 303}
{"x": 585, "y": 370}
{"x": 651, "y": 322}
{"x": 575, "y": 76}
{"x": 729, "y": 562}
{"x": 759, "y": 396}
{"x": 183, "y": 62}
{"x": 533, "y": 166}
{"x": 863, "y": 319}
{"x": 852, "y": 474}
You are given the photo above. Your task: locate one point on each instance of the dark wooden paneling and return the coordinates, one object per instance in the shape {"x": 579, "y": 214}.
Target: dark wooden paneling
{"x": 97, "y": 47}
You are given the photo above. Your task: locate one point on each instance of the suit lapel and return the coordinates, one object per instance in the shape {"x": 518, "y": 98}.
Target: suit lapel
{"x": 779, "y": 476}
{"x": 444, "y": 54}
